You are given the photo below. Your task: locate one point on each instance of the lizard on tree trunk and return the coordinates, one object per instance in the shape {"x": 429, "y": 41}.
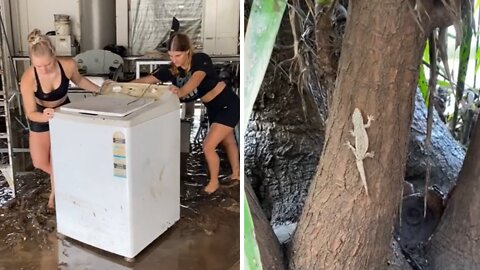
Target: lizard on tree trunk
{"x": 361, "y": 143}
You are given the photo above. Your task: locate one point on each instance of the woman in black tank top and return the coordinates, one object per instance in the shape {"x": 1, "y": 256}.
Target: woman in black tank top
{"x": 44, "y": 87}
{"x": 57, "y": 96}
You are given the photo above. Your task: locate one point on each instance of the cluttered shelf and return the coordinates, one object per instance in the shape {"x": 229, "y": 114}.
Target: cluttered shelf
{"x": 142, "y": 58}
{"x": 151, "y": 62}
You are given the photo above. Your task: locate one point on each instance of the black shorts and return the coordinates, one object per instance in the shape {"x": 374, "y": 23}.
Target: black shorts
{"x": 42, "y": 126}
{"x": 224, "y": 108}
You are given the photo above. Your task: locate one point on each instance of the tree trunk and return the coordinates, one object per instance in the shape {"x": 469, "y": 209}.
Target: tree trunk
{"x": 446, "y": 154}
{"x": 456, "y": 242}
{"x": 340, "y": 228}
{"x": 397, "y": 261}
{"x": 279, "y": 134}
{"x": 268, "y": 245}
{"x": 282, "y": 149}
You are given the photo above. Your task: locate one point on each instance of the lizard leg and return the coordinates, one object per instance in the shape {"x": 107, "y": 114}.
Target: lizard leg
{"x": 369, "y": 122}
{"x": 351, "y": 147}
{"x": 369, "y": 154}
{"x": 352, "y": 133}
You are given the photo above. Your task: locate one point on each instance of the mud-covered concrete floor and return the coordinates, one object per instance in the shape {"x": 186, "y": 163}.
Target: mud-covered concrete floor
{"x": 207, "y": 236}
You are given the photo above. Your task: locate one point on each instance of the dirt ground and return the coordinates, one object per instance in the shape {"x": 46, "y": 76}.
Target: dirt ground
{"x": 207, "y": 236}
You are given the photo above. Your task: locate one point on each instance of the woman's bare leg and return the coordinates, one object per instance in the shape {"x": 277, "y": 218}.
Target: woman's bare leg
{"x": 216, "y": 134}
{"x": 230, "y": 145}
{"x": 40, "y": 152}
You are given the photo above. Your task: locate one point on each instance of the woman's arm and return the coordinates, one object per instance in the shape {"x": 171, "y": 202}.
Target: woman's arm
{"x": 27, "y": 88}
{"x": 79, "y": 80}
{"x": 150, "y": 79}
{"x": 194, "y": 81}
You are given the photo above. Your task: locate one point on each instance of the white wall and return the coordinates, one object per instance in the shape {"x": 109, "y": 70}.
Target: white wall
{"x": 39, "y": 14}
{"x": 122, "y": 22}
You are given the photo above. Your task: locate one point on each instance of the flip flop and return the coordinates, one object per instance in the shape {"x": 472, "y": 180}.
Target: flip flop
{"x": 229, "y": 181}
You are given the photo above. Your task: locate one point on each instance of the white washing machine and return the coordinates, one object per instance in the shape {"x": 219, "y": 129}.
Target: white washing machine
{"x": 116, "y": 165}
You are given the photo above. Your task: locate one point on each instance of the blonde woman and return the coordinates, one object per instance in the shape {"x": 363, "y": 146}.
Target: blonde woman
{"x": 44, "y": 87}
{"x": 193, "y": 76}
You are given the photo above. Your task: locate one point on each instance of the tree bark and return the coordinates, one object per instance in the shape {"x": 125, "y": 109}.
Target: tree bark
{"x": 268, "y": 245}
{"x": 447, "y": 154}
{"x": 324, "y": 39}
{"x": 397, "y": 261}
{"x": 456, "y": 242}
{"x": 340, "y": 228}
{"x": 282, "y": 149}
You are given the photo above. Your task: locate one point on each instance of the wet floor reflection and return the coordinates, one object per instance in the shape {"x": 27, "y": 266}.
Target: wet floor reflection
{"x": 205, "y": 237}
{"x": 197, "y": 241}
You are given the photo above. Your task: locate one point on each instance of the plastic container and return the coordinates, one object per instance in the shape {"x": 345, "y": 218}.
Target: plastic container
{"x": 62, "y": 24}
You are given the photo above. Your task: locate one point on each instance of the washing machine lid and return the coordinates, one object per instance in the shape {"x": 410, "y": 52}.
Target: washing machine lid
{"x": 117, "y": 106}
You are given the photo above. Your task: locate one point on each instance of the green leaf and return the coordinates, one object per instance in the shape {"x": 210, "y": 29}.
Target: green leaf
{"x": 477, "y": 59}
{"x": 324, "y": 3}
{"x": 426, "y": 53}
{"x": 464, "y": 56}
{"x": 442, "y": 83}
{"x": 262, "y": 29}
{"x": 423, "y": 84}
{"x": 252, "y": 253}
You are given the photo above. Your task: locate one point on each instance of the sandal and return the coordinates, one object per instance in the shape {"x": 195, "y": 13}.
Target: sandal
{"x": 229, "y": 181}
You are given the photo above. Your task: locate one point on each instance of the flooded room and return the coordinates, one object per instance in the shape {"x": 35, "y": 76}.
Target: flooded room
{"x": 119, "y": 134}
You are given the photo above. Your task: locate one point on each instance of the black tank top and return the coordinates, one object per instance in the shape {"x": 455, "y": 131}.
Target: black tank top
{"x": 55, "y": 94}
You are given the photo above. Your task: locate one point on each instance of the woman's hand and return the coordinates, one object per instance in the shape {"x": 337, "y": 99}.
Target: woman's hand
{"x": 104, "y": 86}
{"x": 106, "y": 83}
{"x": 48, "y": 114}
{"x": 175, "y": 90}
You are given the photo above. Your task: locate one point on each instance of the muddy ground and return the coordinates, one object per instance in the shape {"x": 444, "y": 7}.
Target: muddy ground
{"x": 207, "y": 236}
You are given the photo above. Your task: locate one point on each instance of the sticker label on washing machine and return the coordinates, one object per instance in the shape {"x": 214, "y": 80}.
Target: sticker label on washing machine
{"x": 118, "y": 140}
{"x": 119, "y": 155}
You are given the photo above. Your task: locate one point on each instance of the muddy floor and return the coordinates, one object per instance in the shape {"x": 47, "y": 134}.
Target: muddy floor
{"x": 207, "y": 236}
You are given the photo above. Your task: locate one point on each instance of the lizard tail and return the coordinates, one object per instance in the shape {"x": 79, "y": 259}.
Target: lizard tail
{"x": 361, "y": 170}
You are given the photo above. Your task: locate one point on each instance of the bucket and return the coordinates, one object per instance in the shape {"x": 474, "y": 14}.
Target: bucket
{"x": 62, "y": 25}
